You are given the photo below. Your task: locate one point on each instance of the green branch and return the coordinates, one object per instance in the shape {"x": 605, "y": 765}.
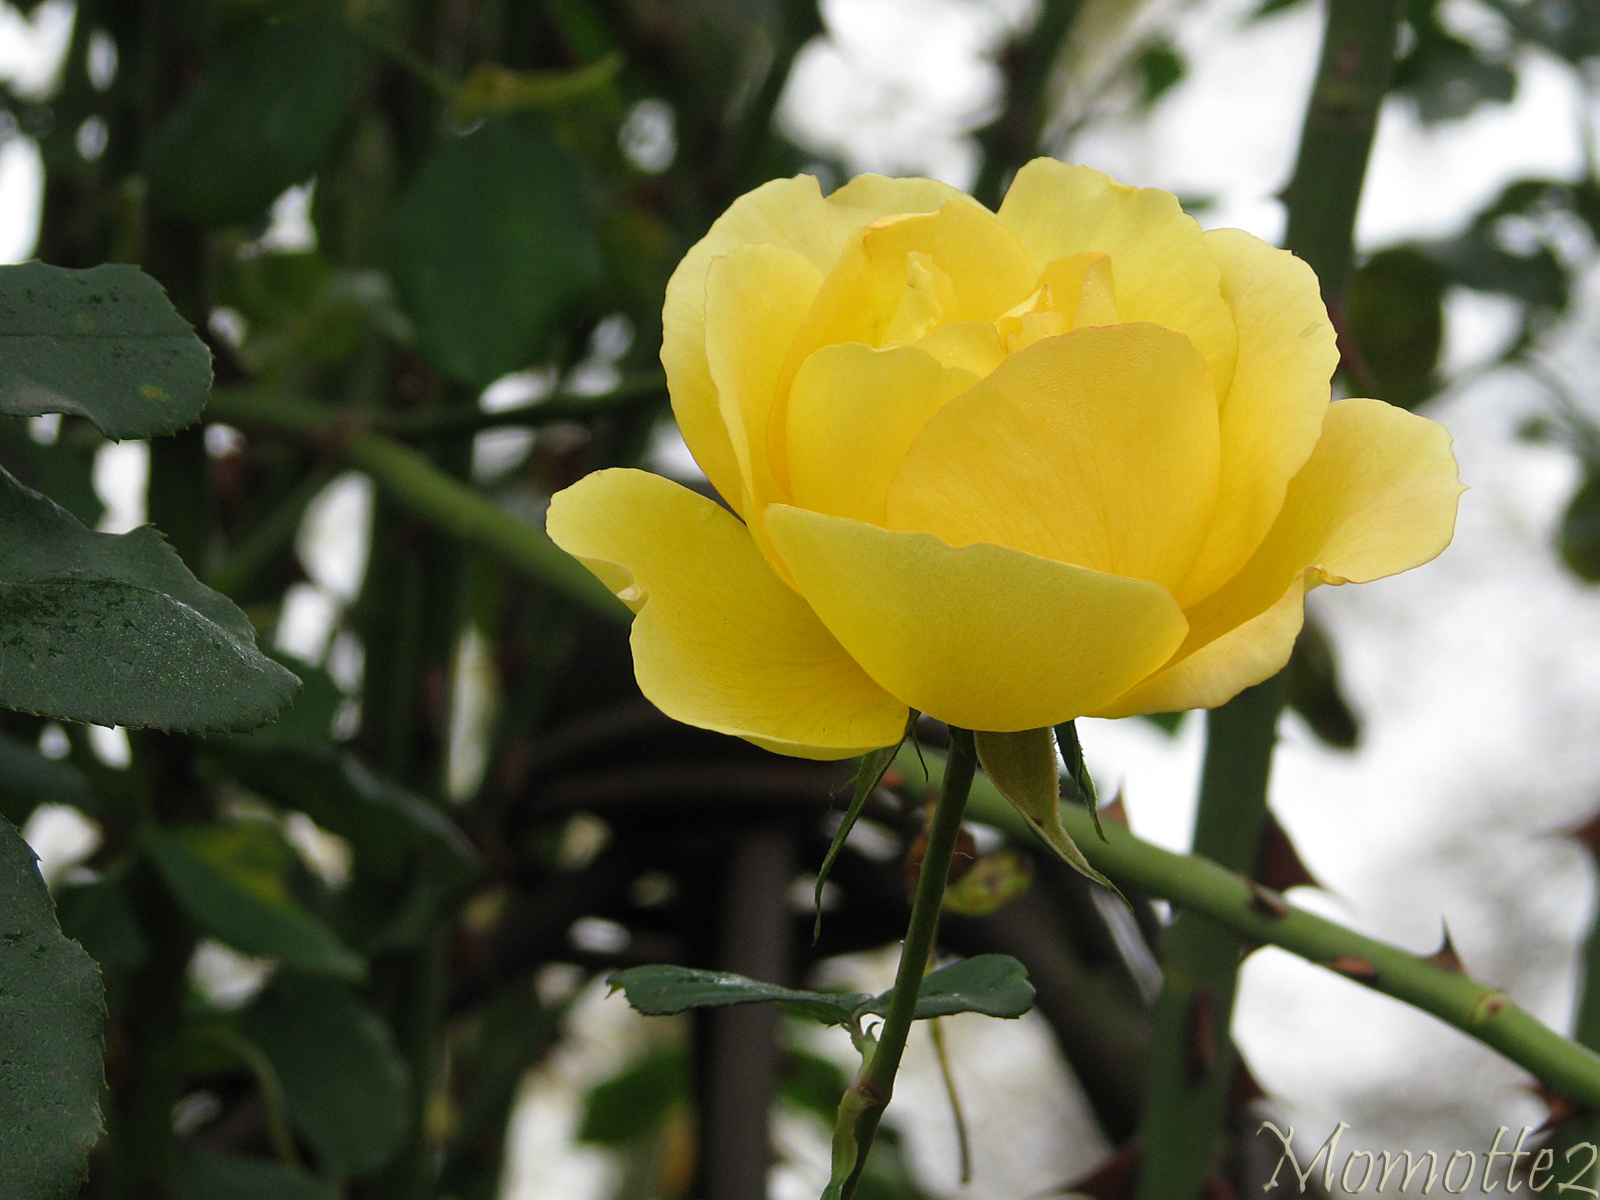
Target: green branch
{"x": 415, "y": 484}
{"x": 1257, "y": 915}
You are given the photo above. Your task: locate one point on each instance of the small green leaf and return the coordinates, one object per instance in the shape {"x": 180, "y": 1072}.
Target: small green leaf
{"x": 232, "y": 880}
{"x": 105, "y": 344}
{"x": 345, "y": 1084}
{"x": 1023, "y": 767}
{"x": 29, "y": 779}
{"x": 990, "y": 884}
{"x": 663, "y": 990}
{"x": 113, "y": 630}
{"x": 99, "y": 918}
{"x": 263, "y": 117}
{"x": 492, "y": 244}
{"x": 995, "y": 985}
{"x": 1394, "y": 317}
{"x": 632, "y": 1104}
{"x": 867, "y": 776}
{"x": 207, "y": 1175}
{"x": 1580, "y": 531}
{"x": 52, "y": 1014}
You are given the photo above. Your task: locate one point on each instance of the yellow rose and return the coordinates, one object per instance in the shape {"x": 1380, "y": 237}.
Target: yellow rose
{"x": 1074, "y": 458}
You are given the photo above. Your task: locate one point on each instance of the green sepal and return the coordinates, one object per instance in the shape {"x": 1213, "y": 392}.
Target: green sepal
{"x": 1078, "y": 772}
{"x": 1023, "y": 767}
{"x": 868, "y": 774}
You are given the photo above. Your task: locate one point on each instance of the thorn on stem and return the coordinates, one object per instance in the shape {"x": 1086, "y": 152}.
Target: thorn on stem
{"x": 1200, "y": 1033}
{"x": 1353, "y": 966}
{"x": 1445, "y": 957}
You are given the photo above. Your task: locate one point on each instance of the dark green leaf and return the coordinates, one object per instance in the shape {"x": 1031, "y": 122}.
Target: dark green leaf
{"x": 1023, "y": 766}
{"x": 995, "y": 985}
{"x": 346, "y": 1086}
{"x": 1394, "y": 315}
{"x": 113, "y": 630}
{"x": 105, "y": 344}
{"x": 1168, "y": 722}
{"x": 1580, "y": 532}
{"x": 1314, "y": 690}
{"x": 99, "y": 918}
{"x": 493, "y": 243}
{"x": 631, "y": 1105}
{"x": 207, "y": 1175}
{"x": 813, "y": 1083}
{"x": 52, "y": 1013}
{"x": 659, "y": 991}
{"x": 1159, "y": 67}
{"x": 59, "y": 472}
{"x": 232, "y": 880}
{"x": 263, "y": 117}
{"x": 29, "y": 779}
{"x": 1448, "y": 79}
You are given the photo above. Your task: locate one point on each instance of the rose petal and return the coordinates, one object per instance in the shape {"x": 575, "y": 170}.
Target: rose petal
{"x": 1097, "y": 448}
{"x": 1272, "y": 415}
{"x": 1162, "y": 268}
{"x": 982, "y": 637}
{"x": 853, "y": 412}
{"x": 719, "y": 641}
{"x": 1377, "y": 496}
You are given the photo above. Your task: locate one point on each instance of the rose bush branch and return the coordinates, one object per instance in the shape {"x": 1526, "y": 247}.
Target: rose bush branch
{"x": 415, "y": 484}
{"x": 1260, "y": 916}
{"x": 1184, "y": 1108}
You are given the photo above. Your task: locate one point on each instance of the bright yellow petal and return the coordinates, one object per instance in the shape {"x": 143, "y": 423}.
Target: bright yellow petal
{"x": 871, "y": 197}
{"x": 719, "y": 642}
{"x": 986, "y": 269}
{"x": 972, "y": 345}
{"x": 757, "y": 297}
{"x": 982, "y": 637}
{"x": 1097, "y": 448}
{"x": 1162, "y": 269}
{"x": 1377, "y": 496}
{"x": 1272, "y": 415}
{"x": 853, "y": 412}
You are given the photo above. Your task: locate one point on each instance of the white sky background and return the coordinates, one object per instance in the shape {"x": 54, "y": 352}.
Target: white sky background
{"x": 1476, "y": 675}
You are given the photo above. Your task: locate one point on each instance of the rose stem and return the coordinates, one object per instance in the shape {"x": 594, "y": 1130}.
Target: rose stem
{"x": 875, "y": 1085}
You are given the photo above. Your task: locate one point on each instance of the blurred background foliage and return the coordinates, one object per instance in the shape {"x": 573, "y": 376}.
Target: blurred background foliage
{"x": 426, "y": 241}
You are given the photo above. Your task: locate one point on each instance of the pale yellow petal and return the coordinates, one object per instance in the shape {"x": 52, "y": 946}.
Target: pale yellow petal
{"x": 719, "y": 642}
{"x": 853, "y": 412}
{"x": 757, "y": 297}
{"x": 871, "y": 197}
{"x": 987, "y": 269}
{"x": 982, "y": 637}
{"x": 1377, "y": 496}
{"x": 1081, "y": 289}
{"x": 1097, "y": 448}
{"x": 972, "y": 345}
{"x": 1272, "y": 415}
{"x": 1221, "y": 669}
{"x": 1160, "y": 264}
{"x": 785, "y": 212}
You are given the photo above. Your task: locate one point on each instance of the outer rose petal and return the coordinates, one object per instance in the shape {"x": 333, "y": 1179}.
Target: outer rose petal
{"x": 982, "y": 636}
{"x": 756, "y": 298}
{"x": 790, "y": 213}
{"x": 719, "y": 642}
{"x": 1161, "y": 267}
{"x": 1272, "y": 415}
{"x": 1097, "y": 447}
{"x": 1377, "y": 496}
